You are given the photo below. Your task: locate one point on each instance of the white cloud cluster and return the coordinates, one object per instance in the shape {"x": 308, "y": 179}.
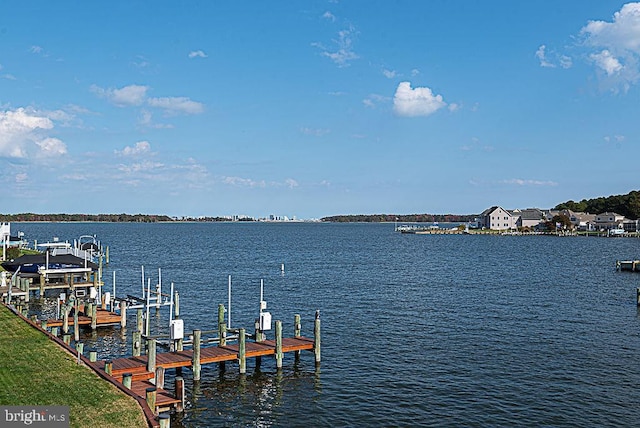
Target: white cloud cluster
{"x": 140, "y": 148}
{"x": 416, "y": 102}
{"x": 521, "y": 182}
{"x": 552, "y": 59}
{"x": 197, "y": 54}
{"x": 24, "y": 133}
{"x": 342, "y": 52}
{"x": 136, "y": 95}
{"x": 132, "y": 95}
{"x": 617, "y": 44}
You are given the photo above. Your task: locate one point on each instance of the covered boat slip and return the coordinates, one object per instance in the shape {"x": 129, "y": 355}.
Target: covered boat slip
{"x": 45, "y": 271}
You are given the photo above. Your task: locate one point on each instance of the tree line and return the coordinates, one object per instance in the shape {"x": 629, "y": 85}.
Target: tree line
{"x": 627, "y": 205}
{"x": 403, "y": 218}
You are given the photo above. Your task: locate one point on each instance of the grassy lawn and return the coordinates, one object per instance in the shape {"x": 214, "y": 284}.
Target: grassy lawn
{"x": 35, "y": 371}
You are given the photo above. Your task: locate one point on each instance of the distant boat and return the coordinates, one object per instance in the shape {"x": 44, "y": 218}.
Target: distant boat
{"x": 616, "y": 232}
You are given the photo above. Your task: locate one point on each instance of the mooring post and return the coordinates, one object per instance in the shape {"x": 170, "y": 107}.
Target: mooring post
{"x": 150, "y": 395}
{"x": 103, "y": 302}
{"x": 126, "y": 380}
{"x": 159, "y": 377}
{"x": 135, "y": 343}
{"x": 316, "y": 337}
{"x": 66, "y": 338}
{"x": 65, "y": 320}
{"x": 76, "y": 330}
{"x": 93, "y": 356}
{"x": 123, "y": 313}
{"x": 43, "y": 324}
{"x": 139, "y": 320}
{"x": 638, "y": 296}
{"x": 54, "y": 331}
{"x": 195, "y": 363}
{"x": 164, "y": 420}
{"x": 80, "y": 348}
{"x": 223, "y": 334}
{"x": 94, "y": 317}
{"x": 279, "y": 344}
{"x": 242, "y": 351}
{"x": 176, "y": 305}
{"x": 179, "y": 384}
{"x": 151, "y": 361}
{"x": 88, "y": 309}
{"x": 297, "y": 329}
{"x": 108, "y": 367}
{"x": 220, "y": 319}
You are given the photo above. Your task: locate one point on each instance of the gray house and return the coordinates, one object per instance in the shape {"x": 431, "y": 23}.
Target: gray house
{"x": 497, "y": 218}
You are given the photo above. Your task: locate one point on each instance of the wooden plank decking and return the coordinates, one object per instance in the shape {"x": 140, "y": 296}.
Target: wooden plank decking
{"x": 104, "y": 318}
{"x": 140, "y": 377}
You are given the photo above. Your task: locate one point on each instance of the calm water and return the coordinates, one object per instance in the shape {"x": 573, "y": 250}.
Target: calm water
{"x": 417, "y": 330}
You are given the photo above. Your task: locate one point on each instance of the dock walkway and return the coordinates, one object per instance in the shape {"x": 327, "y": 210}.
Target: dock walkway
{"x": 142, "y": 379}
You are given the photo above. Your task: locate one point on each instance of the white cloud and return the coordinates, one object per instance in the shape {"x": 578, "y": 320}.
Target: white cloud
{"x": 329, "y": 16}
{"x": 317, "y": 132}
{"x": 416, "y": 102}
{"x": 36, "y": 49}
{"x": 140, "y": 148}
{"x": 374, "y": 99}
{"x": 606, "y": 62}
{"x": 174, "y": 105}
{"x": 618, "y": 45}
{"x": 24, "y": 132}
{"x": 291, "y": 183}
{"x": 21, "y": 177}
{"x": 146, "y": 119}
{"x": 52, "y": 147}
{"x": 541, "y": 55}
{"x": 131, "y": 95}
{"x": 9, "y": 76}
{"x": 145, "y": 166}
{"x": 243, "y": 182}
{"x": 521, "y": 182}
{"x": 389, "y": 74}
{"x": 454, "y": 107}
{"x": 552, "y": 59}
{"x": 342, "y": 52}
{"x": 197, "y": 54}
{"x": 415, "y": 72}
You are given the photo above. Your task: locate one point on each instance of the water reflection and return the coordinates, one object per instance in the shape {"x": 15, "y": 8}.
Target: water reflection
{"x": 225, "y": 397}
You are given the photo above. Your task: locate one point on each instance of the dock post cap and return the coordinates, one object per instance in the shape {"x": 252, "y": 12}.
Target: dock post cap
{"x": 151, "y": 389}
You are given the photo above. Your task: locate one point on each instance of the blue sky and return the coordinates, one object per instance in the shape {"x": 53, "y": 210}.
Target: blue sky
{"x": 317, "y": 108}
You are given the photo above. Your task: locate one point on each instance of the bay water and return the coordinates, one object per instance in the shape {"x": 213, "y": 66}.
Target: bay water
{"x": 417, "y": 330}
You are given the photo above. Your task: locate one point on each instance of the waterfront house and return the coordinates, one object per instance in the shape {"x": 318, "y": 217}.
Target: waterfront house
{"x": 529, "y": 218}
{"x": 609, "y": 220}
{"x": 497, "y": 218}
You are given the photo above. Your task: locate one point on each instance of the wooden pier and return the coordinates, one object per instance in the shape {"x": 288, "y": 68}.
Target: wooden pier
{"x": 140, "y": 376}
{"x": 628, "y": 265}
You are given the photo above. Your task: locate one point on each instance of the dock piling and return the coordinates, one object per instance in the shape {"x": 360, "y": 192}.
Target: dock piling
{"x": 94, "y": 317}
{"x": 160, "y": 377}
{"x": 242, "y": 351}
{"x": 150, "y": 395}
{"x": 195, "y": 364}
{"x": 164, "y": 420}
{"x": 136, "y": 343}
{"x": 279, "y": 353}
{"x": 316, "y": 338}
{"x": 126, "y": 380}
{"x": 123, "y": 313}
{"x": 179, "y": 386}
{"x": 151, "y": 360}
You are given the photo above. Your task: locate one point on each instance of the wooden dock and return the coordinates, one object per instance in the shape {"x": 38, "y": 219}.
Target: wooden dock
{"x": 103, "y": 318}
{"x": 141, "y": 379}
{"x": 628, "y": 265}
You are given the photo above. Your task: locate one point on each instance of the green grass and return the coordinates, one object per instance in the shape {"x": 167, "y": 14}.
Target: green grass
{"x": 36, "y": 371}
